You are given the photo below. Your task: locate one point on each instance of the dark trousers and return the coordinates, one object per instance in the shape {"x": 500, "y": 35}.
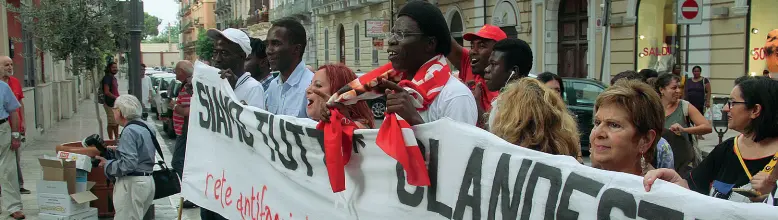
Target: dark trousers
{"x": 179, "y": 153}
{"x": 209, "y": 215}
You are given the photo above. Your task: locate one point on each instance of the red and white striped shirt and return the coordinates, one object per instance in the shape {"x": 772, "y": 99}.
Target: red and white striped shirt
{"x": 178, "y": 119}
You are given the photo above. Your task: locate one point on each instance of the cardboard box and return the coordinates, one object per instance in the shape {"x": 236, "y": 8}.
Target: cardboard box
{"x": 83, "y": 162}
{"x": 86, "y": 214}
{"x": 57, "y": 192}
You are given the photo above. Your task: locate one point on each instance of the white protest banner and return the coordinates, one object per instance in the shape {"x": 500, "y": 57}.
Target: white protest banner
{"x": 245, "y": 163}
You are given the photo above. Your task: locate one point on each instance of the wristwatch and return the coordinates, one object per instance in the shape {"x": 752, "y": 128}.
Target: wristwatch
{"x": 16, "y": 135}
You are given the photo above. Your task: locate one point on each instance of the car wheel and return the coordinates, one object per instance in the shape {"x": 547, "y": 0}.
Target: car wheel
{"x": 378, "y": 108}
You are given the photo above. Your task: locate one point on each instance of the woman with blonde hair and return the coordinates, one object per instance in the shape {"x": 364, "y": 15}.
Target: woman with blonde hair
{"x": 533, "y": 116}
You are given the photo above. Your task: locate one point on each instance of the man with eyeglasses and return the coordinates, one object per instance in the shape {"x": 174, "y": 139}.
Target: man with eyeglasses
{"x": 418, "y": 44}
{"x": 472, "y": 63}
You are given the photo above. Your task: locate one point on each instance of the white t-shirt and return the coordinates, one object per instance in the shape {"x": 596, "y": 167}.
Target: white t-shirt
{"x": 250, "y": 90}
{"x": 454, "y": 101}
{"x": 145, "y": 88}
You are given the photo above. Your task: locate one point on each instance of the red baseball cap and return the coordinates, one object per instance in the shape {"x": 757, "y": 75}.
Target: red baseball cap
{"x": 487, "y": 32}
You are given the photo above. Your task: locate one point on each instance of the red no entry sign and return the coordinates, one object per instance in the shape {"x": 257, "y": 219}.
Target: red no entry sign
{"x": 690, "y": 9}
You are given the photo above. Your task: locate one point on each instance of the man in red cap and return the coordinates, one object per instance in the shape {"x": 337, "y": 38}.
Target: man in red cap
{"x": 472, "y": 63}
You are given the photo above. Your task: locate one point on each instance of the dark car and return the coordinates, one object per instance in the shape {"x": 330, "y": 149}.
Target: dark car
{"x": 580, "y": 95}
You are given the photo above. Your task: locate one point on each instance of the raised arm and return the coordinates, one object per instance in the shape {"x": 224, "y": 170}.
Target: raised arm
{"x": 457, "y": 52}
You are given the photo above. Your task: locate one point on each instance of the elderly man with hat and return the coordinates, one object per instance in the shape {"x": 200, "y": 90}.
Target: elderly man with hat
{"x": 231, "y": 48}
{"x": 472, "y": 63}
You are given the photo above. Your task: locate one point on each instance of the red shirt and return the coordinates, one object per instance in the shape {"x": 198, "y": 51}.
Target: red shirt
{"x": 178, "y": 120}
{"x": 466, "y": 74}
{"x": 16, "y": 88}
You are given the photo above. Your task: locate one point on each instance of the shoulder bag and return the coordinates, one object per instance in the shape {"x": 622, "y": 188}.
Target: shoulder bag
{"x": 165, "y": 180}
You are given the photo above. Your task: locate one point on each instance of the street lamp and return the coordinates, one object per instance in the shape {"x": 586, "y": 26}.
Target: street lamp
{"x": 719, "y": 123}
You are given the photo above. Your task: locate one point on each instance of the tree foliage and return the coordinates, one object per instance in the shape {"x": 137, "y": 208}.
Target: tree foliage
{"x": 150, "y": 25}
{"x": 82, "y": 30}
{"x": 173, "y": 30}
{"x": 204, "y": 45}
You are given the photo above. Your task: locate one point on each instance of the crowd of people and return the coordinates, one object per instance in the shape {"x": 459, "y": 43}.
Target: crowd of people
{"x": 646, "y": 123}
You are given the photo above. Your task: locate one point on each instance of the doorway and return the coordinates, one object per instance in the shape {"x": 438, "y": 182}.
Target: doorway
{"x": 573, "y": 24}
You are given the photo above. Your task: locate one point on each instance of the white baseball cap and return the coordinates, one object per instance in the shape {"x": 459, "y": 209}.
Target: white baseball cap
{"x": 234, "y": 35}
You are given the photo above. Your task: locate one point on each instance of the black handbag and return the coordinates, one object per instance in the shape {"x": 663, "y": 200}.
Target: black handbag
{"x": 166, "y": 180}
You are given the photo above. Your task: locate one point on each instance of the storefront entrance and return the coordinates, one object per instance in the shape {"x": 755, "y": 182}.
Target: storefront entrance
{"x": 657, "y": 36}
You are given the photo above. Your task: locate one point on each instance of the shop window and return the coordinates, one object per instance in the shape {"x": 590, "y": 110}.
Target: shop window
{"x": 658, "y": 42}
{"x": 762, "y": 21}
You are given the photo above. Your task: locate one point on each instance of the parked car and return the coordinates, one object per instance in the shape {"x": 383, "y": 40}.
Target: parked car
{"x": 580, "y": 95}
{"x": 160, "y": 83}
{"x": 167, "y": 117}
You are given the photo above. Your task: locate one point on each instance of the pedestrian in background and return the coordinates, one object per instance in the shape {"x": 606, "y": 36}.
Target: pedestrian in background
{"x": 10, "y": 142}
{"x": 133, "y": 191}
{"x": 183, "y": 72}
{"x": 552, "y": 81}
{"x": 682, "y": 122}
{"x": 286, "y": 41}
{"x": 145, "y": 91}
{"x": 110, "y": 87}
{"x": 6, "y": 74}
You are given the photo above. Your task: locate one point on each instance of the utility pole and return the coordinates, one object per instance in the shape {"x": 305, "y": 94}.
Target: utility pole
{"x": 136, "y": 25}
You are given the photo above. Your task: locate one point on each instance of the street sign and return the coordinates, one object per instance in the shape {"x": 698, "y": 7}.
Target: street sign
{"x": 376, "y": 28}
{"x": 690, "y": 12}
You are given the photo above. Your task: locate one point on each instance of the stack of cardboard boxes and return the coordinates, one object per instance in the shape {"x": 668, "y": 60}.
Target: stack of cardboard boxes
{"x": 64, "y": 194}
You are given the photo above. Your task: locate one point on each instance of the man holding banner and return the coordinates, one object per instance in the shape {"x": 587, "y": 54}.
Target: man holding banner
{"x": 419, "y": 40}
{"x": 231, "y": 48}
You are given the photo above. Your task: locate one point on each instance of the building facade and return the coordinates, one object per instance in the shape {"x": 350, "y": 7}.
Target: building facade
{"x": 159, "y": 54}
{"x": 240, "y": 13}
{"x": 299, "y": 10}
{"x": 568, "y": 36}
{"x": 194, "y": 16}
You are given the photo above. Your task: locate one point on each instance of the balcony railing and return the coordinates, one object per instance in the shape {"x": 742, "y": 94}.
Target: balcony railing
{"x": 325, "y": 7}
{"x": 298, "y": 7}
{"x": 184, "y": 11}
{"x": 257, "y": 18}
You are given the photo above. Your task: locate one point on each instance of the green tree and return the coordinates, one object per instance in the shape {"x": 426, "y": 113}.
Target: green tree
{"x": 173, "y": 31}
{"x": 80, "y": 30}
{"x": 150, "y": 23}
{"x": 204, "y": 45}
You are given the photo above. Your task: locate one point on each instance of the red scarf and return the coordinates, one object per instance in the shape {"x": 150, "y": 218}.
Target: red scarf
{"x": 395, "y": 137}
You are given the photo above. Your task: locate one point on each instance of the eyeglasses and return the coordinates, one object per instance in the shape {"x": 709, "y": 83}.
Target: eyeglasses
{"x": 400, "y": 35}
{"x": 730, "y": 103}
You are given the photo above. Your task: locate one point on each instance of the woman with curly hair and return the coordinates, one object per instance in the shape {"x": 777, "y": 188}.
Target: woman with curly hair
{"x": 326, "y": 81}
{"x": 535, "y": 117}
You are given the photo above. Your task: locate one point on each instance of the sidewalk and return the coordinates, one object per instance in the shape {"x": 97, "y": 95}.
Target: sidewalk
{"x": 83, "y": 124}
{"x": 712, "y": 139}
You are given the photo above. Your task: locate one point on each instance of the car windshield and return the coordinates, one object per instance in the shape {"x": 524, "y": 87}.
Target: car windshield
{"x": 165, "y": 84}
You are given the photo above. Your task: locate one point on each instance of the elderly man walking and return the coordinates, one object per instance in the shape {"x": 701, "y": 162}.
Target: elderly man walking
{"x": 10, "y": 141}
{"x": 133, "y": 163}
